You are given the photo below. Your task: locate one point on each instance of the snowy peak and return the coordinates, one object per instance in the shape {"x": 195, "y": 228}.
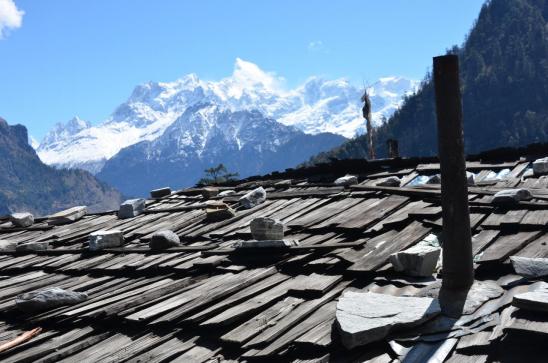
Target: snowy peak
{"x": 317, "y": 106}
{"x": 63, "y": 131}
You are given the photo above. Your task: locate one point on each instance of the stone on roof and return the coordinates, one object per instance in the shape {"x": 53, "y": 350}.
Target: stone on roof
{"x": 105, "y": 239}
{"x": 131, "y": 208}
{"x": 253, "y": 198}
{"x": 22, "y": 219}
{"x": 67, "y": 216}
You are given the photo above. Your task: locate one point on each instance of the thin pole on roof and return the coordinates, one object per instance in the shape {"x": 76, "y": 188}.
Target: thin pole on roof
{"x": 458, "y": 269}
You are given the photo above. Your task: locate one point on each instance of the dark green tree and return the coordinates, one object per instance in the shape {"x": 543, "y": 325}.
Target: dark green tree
{"x": 217, "y": 175}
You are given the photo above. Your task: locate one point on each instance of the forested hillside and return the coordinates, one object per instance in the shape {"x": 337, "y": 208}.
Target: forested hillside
{"x": 26, "y": 184}
{"x": 504, "y": 79}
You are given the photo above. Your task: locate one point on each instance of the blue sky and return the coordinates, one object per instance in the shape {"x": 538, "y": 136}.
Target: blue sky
{"x": 83, "y": 58}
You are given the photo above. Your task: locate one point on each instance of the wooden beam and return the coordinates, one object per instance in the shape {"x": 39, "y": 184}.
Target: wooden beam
{"x": 458, "y": 269}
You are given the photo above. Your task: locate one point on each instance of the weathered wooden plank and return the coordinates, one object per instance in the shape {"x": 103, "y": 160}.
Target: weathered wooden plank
{"x": 165, "y": 351}
{"x": 377, "y": 255}
{"x": 506, "y": 245}
{"x": 536, "y": 249}
{"x": 260, "y": 322}
{"x": 52, "y": 344}
{"x": 481, "y": 240}
{"x": 537, "y": 218}
{"x": 238, "y": 297}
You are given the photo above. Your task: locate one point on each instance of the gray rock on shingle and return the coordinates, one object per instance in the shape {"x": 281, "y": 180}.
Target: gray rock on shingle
{"x": 48, "y": 298}
{"x": 209, "y": 192}
{"x": 164, "y": 239}
{"x": 22, "y": 219}
{"x": 470, "y": 178}
{"x": 263, "y": 228}
{"x": 131, "y": 208}
{"x": 67, "y": 216}
{"x": 161, "y": 192}
{"x": 219, "y": 214}
{"x": 363, "y": 318}
{"x": 540, "y": 166}
{"x": 392, "y": 181}
{"x": 7, "y": 245}
{"x": 226, "y": 193}
{"x": 511, "y": 196}
{"x": 105, "y": 239}
{"x": 253, "y": 198}
{"x": 346, "y": 180}
{"x": 434, "y": 179}
{"x": 419, "y": 260}
{"x": 530, "y": 267}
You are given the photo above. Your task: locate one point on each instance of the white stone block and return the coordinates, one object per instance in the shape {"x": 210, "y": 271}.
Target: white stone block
{"x": 105, "y": 239}
{"x": 347, "y": 180}
{"x": 22, "y": 219}
{"x": 131, "y": 208}
{"x": 253, "y": 198}
{"x": 419, "y": 260}
{"x": 540, "y": 166}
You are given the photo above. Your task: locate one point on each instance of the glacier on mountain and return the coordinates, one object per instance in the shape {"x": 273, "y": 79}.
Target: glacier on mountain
{"x": 317, "y": 106}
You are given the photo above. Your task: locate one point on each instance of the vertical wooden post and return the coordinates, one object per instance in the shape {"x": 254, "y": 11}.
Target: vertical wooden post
{"x": 393, "y": 151}
{"x": 458, "y": 269}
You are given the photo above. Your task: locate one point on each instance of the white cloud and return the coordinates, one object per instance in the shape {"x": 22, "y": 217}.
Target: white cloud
{"x": 10, "y": 17}
{"x": 317, "y": 46}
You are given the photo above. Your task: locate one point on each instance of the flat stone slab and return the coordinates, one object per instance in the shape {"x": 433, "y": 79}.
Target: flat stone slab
{"x": 532, "y": 300}
{"x": 105, "y": 239}
{"x": 22, "y": 219}
{"x": 164, "y": 239}
{"x": 49, "y": 298}
{"x": 32, "y": 246}
{"x": 131, "y": 208}
{"x": 366, "y": 317}
{"x": 253, "y": 198}
{"x": 267, "y": 244}
{"x": 67, "y": 216}
{"x": 160, "y": 192}
{"x": 530, "y": 267}
{"x": 346, "y": 180}
{"x": 264, "y": 228}
{"x": 420, "y": 260}
{"x": 479, "y": 293}
{"x": 392, "y": 181}
{"x": 511, "y": 196}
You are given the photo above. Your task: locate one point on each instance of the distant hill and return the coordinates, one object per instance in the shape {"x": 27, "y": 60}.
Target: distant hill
{"x": 26, "y": 184}
{"x": 504, "y": 79}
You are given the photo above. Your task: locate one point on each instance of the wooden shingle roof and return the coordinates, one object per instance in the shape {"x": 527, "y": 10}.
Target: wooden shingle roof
{"x": 208, "y": 301}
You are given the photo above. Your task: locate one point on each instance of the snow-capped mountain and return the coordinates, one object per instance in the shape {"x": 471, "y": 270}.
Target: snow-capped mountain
{"x": 205, "y": 135}
{"x": 316, "y": 106}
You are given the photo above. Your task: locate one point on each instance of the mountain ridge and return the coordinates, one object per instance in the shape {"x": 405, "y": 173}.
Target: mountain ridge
{"x": 317, "y": 106}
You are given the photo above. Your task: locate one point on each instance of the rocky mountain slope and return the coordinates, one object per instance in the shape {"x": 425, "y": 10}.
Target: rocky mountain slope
{"x": 26, "y": 184}
{"x": 206, "y": 135}
{"x": 315, "y": 107}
